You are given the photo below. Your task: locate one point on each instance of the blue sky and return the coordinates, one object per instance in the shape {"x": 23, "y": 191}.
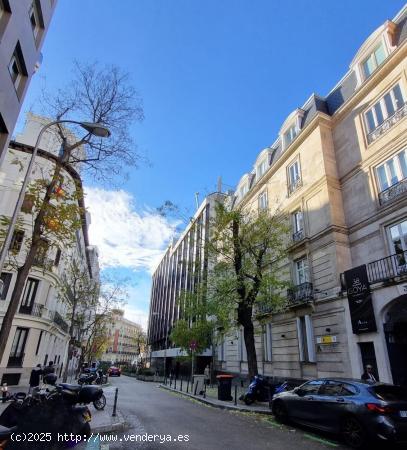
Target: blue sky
{"x": 217, "y": 77}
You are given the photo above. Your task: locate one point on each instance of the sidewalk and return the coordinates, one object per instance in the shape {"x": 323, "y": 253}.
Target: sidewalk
{"x": 259, "y": 408}
{"x": 102, "y": 421}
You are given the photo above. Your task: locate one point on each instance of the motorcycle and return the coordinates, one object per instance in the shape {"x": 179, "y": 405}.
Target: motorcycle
{"x": 47, "y": 416}
{"x": 258, "y": 390}
{"x": 5, "y": 435}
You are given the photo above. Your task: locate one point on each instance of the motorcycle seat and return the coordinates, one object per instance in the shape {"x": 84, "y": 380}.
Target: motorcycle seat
{"x": 6, "y": 432}
{"x": 71, "y": 387}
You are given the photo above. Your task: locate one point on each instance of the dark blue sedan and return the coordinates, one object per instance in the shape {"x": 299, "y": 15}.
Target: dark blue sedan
{"x": 359, "y": 411}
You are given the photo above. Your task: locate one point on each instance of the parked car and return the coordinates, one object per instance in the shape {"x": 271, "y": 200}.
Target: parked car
{"x": 114, "y": 371}
{"x": 359, "y": 411}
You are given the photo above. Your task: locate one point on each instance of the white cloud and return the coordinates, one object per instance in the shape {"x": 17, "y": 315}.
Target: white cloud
{"x": 125, "y": 237}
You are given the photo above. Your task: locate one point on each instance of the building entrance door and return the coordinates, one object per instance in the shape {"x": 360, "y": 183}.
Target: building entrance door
{"x": 395, "y": 329}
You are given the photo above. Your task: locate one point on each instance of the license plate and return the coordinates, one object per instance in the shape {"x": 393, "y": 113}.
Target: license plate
{"x": 86, "y": 416}
{"x": 403, "y": 413}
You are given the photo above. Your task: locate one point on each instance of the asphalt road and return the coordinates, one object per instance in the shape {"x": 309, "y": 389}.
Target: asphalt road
{"x": 149, "y": 410}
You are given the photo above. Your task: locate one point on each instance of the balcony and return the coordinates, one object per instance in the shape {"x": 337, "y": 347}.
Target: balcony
{"x": 384, "y": 270}
{"x": 387, "y": 124}
{"x": 33, "y": 310}
{"x": 292, "y": 187}
{"x": 302, "y": 293}
{"x": 58, "y": 320}
{"x": 45, "y": 263}
{"x": 298, "y": 236}
{"x": 393, "y": 192}
{"x": 16, "y": 361}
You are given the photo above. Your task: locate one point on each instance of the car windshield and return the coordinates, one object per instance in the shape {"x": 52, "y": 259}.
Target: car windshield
{"x": 390, "y": 393}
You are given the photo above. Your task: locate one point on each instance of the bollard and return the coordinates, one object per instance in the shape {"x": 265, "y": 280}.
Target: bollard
{"x": 175, "y": 383}
{"x": 115, "y": 402}
{"x": 235, "y": 394}
{"x": 204, "y": 394}
{"x": 241, "y": 383}
{"x": 170, "y": 381}
{"x": 181, "y": 385}
{"x": 4, "y": 393}
{"x": 270, "y": 397}
{"x": 187, "y": 385}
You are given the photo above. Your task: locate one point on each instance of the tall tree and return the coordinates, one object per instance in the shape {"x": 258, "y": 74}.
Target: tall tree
{"x": 98, "y": 94}
{"x": 81, "y": 295}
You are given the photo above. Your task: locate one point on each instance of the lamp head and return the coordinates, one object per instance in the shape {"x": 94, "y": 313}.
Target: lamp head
{"x": 96, "y": 129}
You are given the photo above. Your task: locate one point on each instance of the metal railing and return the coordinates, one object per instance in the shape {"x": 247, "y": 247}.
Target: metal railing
{"x": 58, "y": 320}
{"x": 45, "y": 263}
{"x": 384, "y": 269}
{"x": 298, "y": 235}
{"x": 294, "y": 186}
{"x": 300, "y": 294}
{"x": 33, "y": 310}
{"x": 387, "y": 124}
{"x": 393, "y": 192}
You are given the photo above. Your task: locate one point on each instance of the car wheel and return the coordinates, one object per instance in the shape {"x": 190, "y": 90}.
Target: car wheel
{"x": 280, "y": 411}
{"x": 353, "y": 433}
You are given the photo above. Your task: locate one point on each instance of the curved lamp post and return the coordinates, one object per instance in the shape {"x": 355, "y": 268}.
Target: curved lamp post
{"x": 96, "y": 129}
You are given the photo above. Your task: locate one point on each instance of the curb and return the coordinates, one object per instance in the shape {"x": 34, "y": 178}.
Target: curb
{"x": 217, "y": 405}
{"x": 118, "y": 424}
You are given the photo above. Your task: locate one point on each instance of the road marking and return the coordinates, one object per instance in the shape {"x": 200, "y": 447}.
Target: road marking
{"x": 321, "y": 440}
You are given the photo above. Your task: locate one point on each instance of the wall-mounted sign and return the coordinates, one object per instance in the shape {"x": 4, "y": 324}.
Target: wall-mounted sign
{"x": 328, "y": 339}
{"x": 360, "y": 300}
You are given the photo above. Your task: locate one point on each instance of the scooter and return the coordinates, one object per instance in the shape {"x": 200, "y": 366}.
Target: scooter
{"x": 257, "y": 391}
{"x": 46, "y": 417}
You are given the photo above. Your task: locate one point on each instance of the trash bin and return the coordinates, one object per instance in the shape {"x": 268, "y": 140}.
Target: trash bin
{"x": 225, "y": 387}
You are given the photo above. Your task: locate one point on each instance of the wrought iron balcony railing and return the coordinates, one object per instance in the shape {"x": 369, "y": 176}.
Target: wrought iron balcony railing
{"x": 384, "y": 269}
{"x": 300, "y": 294}
{"x": 298, "y": 236}
{"x": 393, "y": 192}
{"x": 294, "y": 186}
{"x": 45, "y": 263}
{"x": 58, "y": 320}
{"x": 33, "y": 310}
{"x": 387, "y": 124}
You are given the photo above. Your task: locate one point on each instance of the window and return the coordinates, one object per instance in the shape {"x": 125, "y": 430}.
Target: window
{"x": 374, "y": 60}
{"x": 17, "y": 241}
{"x": 301, "y": 271}
{"x": 263, "y": 203}
{"x": 40, "y": 257}
{"x": 30, "y": 291}
{"x": 221, "y": 349}
{"x": 6, "y": 279}
{"x": 4, "y": 15}
{"x": 294, "y": 176}
{"x": 289, "y": 135}
{"x": 267, "y": 340}
{"x": 261, "y": 169}
{"x": 39, "y": 342}
{"x": 398, "y": 242}
{"x": 305, "y": 334}
{"x": 298, "y": 225}
{"x": 28, "y": 203}
{"x": 392, "y": 171}
{"x": 311, "y": 387}
{"x": 242, "y": 346}
{"x": 384, "y": 108}
{"x": 17, "y": 349}
{"x": 34, "y": 18}
{"x": 57, "y": 257}
{"x": 17, "y": 69}
{"x": 243, "y": 191}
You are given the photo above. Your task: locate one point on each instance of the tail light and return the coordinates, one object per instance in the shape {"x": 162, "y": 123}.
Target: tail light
{"x": 377, "y": 408}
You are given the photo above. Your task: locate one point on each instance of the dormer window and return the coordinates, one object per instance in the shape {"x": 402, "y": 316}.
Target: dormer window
{"x": 261, "y": 168}
{"x": 374, "y": 60}
{"x": 243, "y": 191}
{"x": 290, "y": 135}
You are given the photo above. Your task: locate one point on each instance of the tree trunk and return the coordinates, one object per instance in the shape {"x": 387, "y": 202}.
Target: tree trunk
{"x": 24, "y": 270}
{"x": 245, "y": 319}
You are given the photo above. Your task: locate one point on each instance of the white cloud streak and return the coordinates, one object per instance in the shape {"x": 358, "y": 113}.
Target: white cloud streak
{"x": 124, "y": 236}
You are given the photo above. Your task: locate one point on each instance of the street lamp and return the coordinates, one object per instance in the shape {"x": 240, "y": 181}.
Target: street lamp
{"x": 96, "y": 129}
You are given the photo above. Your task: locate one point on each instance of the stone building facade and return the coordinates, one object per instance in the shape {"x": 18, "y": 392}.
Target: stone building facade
{"x": 339, "y": 169}
{"x": 23, "y": 26}
{"x": 40, "y": 330}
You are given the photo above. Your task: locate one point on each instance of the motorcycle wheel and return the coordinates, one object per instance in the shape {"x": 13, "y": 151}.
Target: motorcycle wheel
{"x": 101, "y": 403}
{"x": 248, "y": 400}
